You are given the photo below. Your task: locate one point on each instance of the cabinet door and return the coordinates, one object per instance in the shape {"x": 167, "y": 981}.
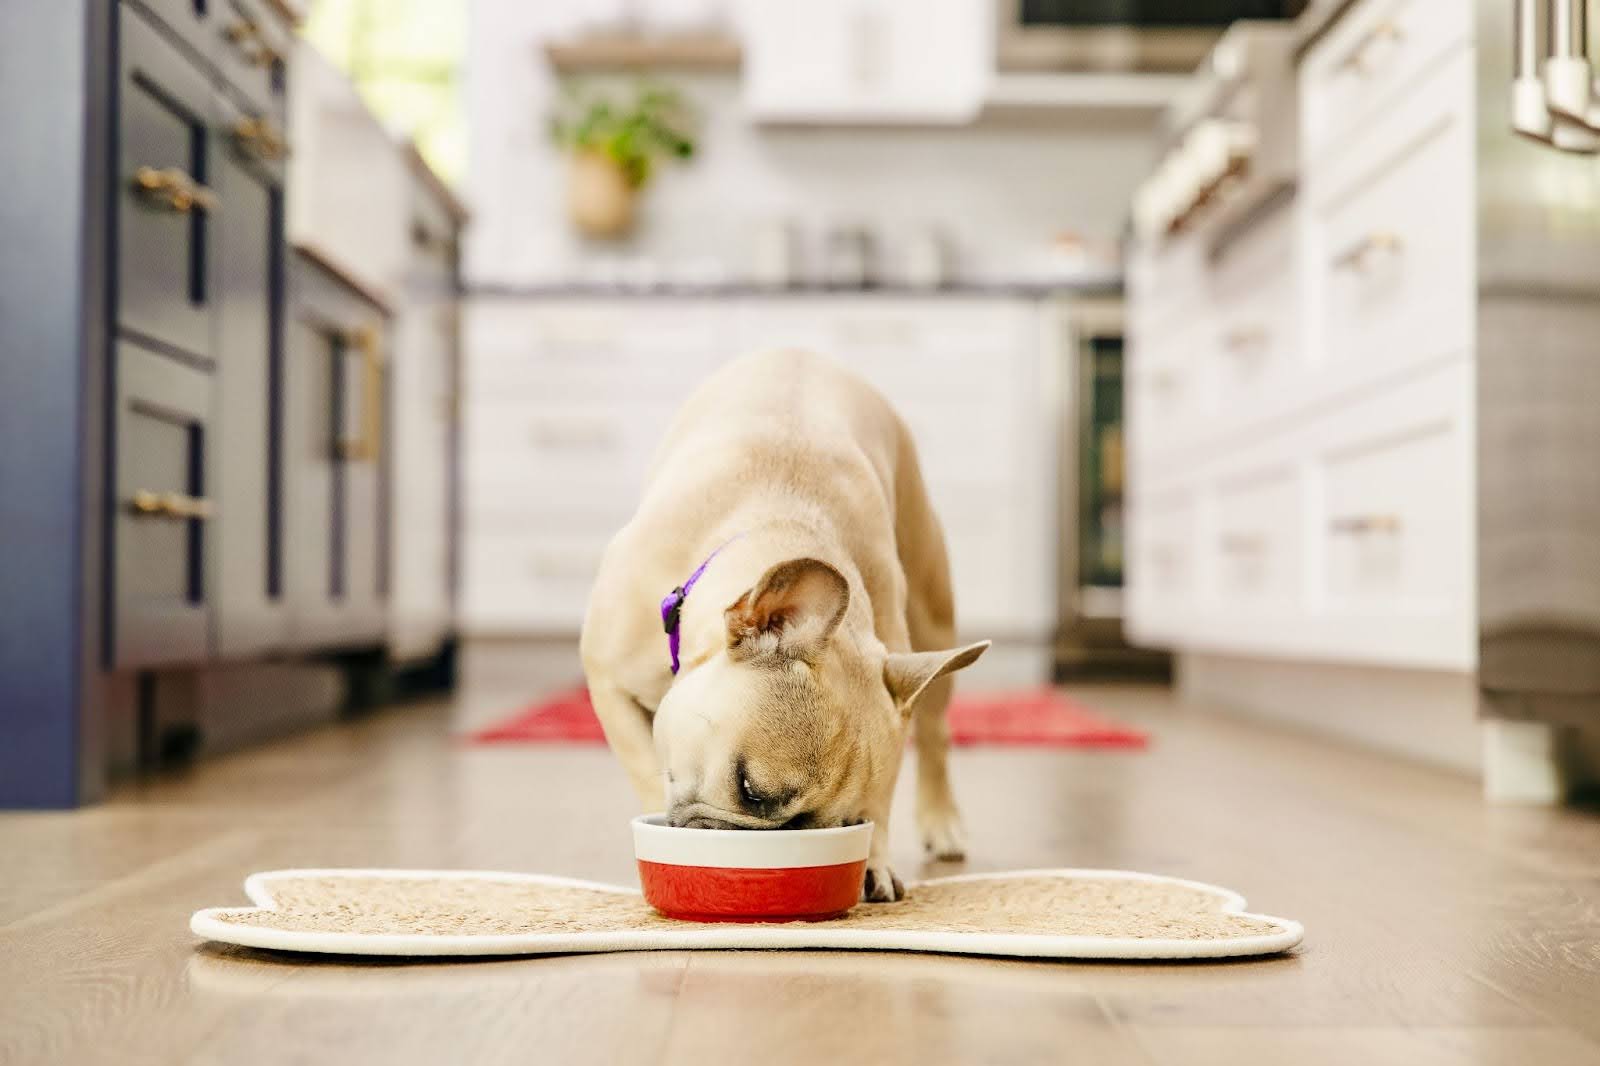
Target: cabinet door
{"x": 866, "y": 60}
{"x": 422, "y": 384}
{"x": 252, "y": 50}
{"x": 250, "y": 280}
{"x": 165, "y": 203}
{"x": 162, "y": 517}
{"x": 334, "y": 463}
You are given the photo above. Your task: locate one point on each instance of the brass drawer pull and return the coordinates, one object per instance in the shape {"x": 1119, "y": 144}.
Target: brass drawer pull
{"x": 259, "y": 138}
{"x": 1360, "y": 59}
{"x": 367, "y": 446}
{"x": 1244, "y": 340}
{"x": 1365, "y": 253}
{"x": 1356, "y": 525}
{"x": 149, "y": 504}
{"x": 245, "y": 36}
{"x": 1242, "y": 544}
{"x": 173, "y": 189}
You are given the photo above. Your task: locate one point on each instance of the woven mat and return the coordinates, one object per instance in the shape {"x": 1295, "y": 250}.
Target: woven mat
{"x": 1064, "y": 914}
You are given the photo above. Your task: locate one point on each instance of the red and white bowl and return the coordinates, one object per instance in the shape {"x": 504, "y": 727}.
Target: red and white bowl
{"x": 750, "y": 875}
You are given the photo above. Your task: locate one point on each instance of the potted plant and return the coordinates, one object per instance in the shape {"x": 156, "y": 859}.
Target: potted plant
{"x": 614, "y": 148}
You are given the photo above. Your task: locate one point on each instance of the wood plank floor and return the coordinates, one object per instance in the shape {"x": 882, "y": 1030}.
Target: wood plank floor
{"x": 1438, "y": 930}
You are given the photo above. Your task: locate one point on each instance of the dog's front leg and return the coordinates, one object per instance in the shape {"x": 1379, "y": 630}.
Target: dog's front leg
{"x": 881, "y": 885}
{"x": 627, "y": 729}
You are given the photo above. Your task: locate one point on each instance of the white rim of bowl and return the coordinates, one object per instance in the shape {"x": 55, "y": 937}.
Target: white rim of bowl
{"x": 748, "y": 849}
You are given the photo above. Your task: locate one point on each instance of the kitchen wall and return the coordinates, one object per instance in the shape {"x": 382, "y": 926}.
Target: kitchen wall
{"x": 999, "y": 189}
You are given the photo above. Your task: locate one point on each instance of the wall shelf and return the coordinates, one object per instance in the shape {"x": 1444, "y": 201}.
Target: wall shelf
{"x": 706, "y": 53}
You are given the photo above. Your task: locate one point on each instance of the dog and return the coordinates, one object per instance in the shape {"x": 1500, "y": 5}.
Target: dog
{"x": 808, "y": 616}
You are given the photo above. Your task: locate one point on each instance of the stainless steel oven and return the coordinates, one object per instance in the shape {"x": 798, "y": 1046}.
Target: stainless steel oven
{"x": 1120, "y": 35}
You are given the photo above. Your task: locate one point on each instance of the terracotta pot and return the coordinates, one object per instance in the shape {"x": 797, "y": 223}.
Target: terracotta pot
{"x": 599, "y": 196}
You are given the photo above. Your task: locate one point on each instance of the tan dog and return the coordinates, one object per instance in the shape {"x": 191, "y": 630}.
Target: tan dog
{"x": 808, "y": 639}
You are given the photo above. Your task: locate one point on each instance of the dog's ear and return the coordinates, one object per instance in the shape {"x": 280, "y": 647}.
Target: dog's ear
{"x": 790, "y": 612}
{"x": 908, "y": 673}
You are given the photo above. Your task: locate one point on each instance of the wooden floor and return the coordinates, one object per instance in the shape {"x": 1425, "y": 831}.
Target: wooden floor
{"x": 1438, "y": 930}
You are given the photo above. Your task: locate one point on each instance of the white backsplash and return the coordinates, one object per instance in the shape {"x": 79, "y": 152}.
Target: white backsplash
{"x": 998, "y": 191}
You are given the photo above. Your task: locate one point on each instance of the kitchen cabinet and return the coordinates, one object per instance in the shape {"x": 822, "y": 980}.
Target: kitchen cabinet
{"x": 867, "y": 61}
{"x": 195, "y": 423}
{"x": 166, "y": 235}
{"x": 251, "y": 280}
{"x": 1368, "y": 498}
{"x": 423, "y": 407}
{"x": 565, "y": 401}
{"x": 163, "y": 586}
{"x": 1303, "y": 382}
{"x": 336, "y": 455}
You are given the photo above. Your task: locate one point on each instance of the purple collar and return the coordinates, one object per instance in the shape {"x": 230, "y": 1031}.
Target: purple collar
{"x": 672, "y": 605}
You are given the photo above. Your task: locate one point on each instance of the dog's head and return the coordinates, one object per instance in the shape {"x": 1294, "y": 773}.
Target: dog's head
{"x": 794, "y": 724}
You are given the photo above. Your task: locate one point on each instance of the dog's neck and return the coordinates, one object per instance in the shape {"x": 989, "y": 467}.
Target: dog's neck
{"x": 748, "y": 552}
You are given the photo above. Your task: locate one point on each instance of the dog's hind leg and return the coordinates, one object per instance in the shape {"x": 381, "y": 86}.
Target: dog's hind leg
{"x": 938, "y": 819}
{"x": 931, "y": 625}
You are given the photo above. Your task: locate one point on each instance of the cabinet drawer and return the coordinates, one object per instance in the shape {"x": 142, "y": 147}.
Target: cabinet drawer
{"x": 162, "y": 518}
{"x": 556, "y": 354}
{"x": 1162, "y": 570}
{"x": 1396, "y": 521}
{"x": 1391, "y": 280}
{"x": 251, "y": 50}
{"x": 1371, "y": 58}
{"x": 1254, "y": 344}
{"x": 1256, "y": 547}
{"x": 164, "y": 207}
{"x": 911, "y": 351}
{"x": 528, "y": 582}
{"x": 189, "y": 19}
{"x": 514, "y": 450}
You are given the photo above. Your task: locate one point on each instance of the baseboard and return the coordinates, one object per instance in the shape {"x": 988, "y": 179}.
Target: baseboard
{"x": 1427, "y": 715}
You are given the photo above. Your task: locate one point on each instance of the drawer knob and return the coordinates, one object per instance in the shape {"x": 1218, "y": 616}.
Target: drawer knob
{"x": 1368, "y": 252}
{"x": 1359, "y": 525}
{"x": 367, "y": 446}
{"x": 1364, "y": 58}
{"x": 1244, "y": 340}
{"x": 260, "y": 139}
{"x": 245, "y": 36}
{"x": 173, "y": 190}
{"x": 1243, "y": 544}
{"x": 147, "y": 504}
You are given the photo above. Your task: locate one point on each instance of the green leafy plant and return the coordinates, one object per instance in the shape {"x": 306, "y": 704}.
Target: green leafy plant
{"x": 655, "y": 123}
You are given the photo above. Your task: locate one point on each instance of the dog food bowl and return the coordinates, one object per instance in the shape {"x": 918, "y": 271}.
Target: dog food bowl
{"x": 750, "y": 875}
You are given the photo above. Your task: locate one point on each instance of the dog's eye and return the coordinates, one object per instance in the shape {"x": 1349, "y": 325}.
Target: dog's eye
{"x": 751, "y": 796}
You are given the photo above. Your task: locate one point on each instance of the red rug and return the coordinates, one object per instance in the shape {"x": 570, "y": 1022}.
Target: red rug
{"x": 1030, "y": 718}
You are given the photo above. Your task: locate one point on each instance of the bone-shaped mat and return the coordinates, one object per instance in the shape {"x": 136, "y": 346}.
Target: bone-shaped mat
{"x": 1057, "y": 914}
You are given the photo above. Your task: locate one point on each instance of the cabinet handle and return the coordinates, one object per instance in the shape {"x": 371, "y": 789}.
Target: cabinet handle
{"x": 173, "y": 189}
{"x": 1244, "y": 340}
{"x": 1242, "y": 544}
{"x": 1361, "y": 255}
{"x": 259, "y": 138}
{"x": 245, "y": 36}
{"x": 147, "y": 504}
{"x": 1357, "y": 525}
{"x": 368, "y": 446}
{"x": 1359, "y": 60}
{"x": 1164, "y": 381}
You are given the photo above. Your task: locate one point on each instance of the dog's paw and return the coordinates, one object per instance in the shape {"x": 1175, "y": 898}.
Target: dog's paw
{"x": 881, "y": 885}
{"x": 942, "y": 836}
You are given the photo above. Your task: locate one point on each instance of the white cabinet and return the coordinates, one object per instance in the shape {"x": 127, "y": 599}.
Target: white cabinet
{"x": 422, "y": 403}
{"x": 1301, "y": 405}
{"x": 566, "y": 400}
{"x": 867, "y": 61}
